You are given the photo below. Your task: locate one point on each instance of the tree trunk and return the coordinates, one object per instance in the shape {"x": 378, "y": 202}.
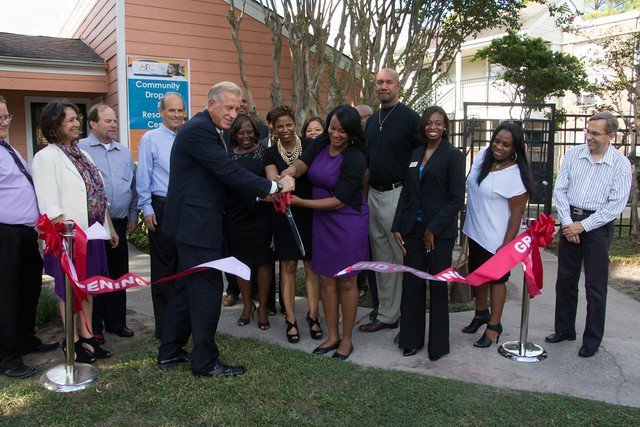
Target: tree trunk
{"x": 234, "y": 23}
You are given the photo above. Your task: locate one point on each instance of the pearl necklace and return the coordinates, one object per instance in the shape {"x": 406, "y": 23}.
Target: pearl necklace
{"x": 381, "y": 122}
{"x": 289, "y": 158}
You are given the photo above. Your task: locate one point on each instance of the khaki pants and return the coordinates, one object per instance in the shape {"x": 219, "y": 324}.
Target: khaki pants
{"x": 382, "y": 209}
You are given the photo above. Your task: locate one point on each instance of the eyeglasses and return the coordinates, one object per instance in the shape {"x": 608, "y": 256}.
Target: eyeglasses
{"x": 6, "y": 118}
{"x": 595, "y": 134}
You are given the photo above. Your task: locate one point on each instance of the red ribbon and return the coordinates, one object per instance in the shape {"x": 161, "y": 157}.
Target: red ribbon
{"x": 523, "y": 249}
{"x": 50, "y": 233}
{"x": 541, "y": 232}
{"x": 281, "y": 201}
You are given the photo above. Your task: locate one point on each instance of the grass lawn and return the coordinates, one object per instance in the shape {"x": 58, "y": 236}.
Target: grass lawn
{"x": 285, "y": 387}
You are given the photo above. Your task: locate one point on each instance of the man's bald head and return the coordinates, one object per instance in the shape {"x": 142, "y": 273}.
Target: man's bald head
{"x": 365, "y": 112}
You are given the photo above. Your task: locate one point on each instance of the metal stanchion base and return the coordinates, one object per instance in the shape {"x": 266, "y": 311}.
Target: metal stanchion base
{"x": 533, "y": 352}
{"x": 55, "y": 379}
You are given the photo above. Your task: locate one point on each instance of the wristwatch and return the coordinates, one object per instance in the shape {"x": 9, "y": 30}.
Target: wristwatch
{"x": 280, "y": 187}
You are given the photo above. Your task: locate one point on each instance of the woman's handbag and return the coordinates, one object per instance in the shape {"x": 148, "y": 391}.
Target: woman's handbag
{"x": 461, "y": 292}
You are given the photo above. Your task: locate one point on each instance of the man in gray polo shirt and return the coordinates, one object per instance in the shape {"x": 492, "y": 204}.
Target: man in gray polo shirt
{"x": 118, "y": 172}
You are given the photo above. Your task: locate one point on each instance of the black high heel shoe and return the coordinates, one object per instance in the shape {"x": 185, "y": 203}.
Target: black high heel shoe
{"x": 485, "y": 341}
{"x": 93, "y": 348}
{"x": 244, "y": 321}
{"x": 264, "y": 326}
{"x": 481, "y": 317}
{"x": 316, "y": 335}
{"x": 292, "y": 338}
{"x": 81, "y": 355}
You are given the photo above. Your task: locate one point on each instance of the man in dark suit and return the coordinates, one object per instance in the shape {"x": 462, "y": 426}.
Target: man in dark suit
{"x": 201, "y": 174}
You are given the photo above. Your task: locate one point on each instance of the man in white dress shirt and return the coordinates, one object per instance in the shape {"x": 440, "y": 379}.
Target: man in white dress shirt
{"x": 591, "y": 190}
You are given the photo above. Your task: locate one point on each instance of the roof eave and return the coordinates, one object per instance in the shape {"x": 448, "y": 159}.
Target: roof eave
{"x": 13, "y": 60}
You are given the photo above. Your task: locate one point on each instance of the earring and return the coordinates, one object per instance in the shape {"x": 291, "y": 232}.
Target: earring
{"x": 514, "y": 156}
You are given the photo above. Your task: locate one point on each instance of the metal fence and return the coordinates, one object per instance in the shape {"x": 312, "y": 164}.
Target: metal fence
{"x": 569, "y": 132}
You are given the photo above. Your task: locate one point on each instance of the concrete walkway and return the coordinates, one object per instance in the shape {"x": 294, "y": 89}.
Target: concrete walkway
{"x": 612, "y": 375}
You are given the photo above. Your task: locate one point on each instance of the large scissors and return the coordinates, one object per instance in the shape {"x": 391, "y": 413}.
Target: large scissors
{"x": 282, "y": 203}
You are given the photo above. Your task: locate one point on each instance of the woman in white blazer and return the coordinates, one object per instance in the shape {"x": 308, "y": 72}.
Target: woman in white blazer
{"x": 69, "y": 186}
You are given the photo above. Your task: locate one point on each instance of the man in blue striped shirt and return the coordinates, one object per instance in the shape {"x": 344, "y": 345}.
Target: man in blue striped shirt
{"x": 591, "y": 190}
{"x": 152, "y": 181}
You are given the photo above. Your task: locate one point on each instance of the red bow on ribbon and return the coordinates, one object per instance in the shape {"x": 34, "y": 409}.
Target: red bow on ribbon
{"x": 50, "y": 233}
{"x": 541, "y": 232}
{"x": 281, "y": 201}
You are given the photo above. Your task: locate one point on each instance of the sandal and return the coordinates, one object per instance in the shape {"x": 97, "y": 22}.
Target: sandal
{"x": 292, "y": 338}
{"x": 244, "y": 321}
{"x": 264, "y": 326}
{"x": 93, "y": 348}
{"x": 481, "y": 317}
{"x": 316, "y": 335}
{"x": 81, "y": 355}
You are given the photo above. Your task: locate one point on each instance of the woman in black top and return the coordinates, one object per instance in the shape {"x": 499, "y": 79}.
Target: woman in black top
{"x": 286, "y": 149}
{"x": 425, "y": 227}
{"x": 249, "y": 222}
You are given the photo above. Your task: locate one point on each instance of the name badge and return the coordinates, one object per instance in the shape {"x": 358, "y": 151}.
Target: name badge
{"x": 413, "y": 164}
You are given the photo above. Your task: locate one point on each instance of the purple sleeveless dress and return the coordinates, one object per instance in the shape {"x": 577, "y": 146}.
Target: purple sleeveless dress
{"x": 340, "y": 237}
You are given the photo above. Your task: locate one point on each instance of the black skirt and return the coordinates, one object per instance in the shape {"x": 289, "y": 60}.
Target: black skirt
{"x": 285, "y": 244}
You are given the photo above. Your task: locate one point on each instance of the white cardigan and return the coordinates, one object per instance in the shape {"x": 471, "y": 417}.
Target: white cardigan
{"x": 59, "y": 186}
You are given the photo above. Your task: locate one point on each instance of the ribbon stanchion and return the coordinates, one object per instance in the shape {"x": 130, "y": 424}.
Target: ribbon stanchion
{"x": 70, "y": 376}
{"x": 523, "y": 350}
{"x": 523, "y": 249}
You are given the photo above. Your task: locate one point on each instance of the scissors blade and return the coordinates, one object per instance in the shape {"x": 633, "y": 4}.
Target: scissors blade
{"x": 294, "y": 229}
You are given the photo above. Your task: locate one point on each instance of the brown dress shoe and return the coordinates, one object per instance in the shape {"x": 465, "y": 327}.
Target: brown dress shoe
{"x": 230, "y": 300}
{"x": 377, "y": 325}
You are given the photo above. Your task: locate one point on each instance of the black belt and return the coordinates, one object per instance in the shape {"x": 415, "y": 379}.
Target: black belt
{"x": 580, "y": 211}
{"x": 158, "y": 198}
{"x": 18, "y": 226}
{"x": 387, "y": 187}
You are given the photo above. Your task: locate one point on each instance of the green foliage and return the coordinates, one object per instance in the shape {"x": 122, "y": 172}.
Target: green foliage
{"x": 620, "y": 57}
{"x": 140, "y": 236}
{"x": 598, "y": 8}
{"x": 536, "y": 71}
{"x": 47, "y": 306}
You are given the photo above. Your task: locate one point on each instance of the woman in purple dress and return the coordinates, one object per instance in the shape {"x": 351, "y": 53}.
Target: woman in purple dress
{"x": 336, "y": 166}
{"x": 69, "y": 186}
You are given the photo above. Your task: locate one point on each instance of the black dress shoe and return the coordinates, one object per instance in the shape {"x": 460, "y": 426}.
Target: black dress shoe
{"x": 434, "y": 358}
{"x": 340, "y": 356}
{"x": 43, "y": 347}
{"x": 20, "y": 371}
{"x": 222, "y": 370}
{"x": 325, "y": 350}
{"x": 182, "y": 357}
{"x": 376, "y": 326}
{"x": 587, "y": 352}
{"x": 409, "y": 352}
{"x": 124, "y": 332}
{"x": 556, "y": 337}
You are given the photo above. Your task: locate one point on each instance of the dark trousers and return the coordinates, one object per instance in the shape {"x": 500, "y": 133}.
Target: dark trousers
{"x": 164, "y": 262}
{"x": 370, "y": 277}
{"x": 195, "y": 301}
{"x": 414, "y": 292}
{"x": 110, "y": 309}
{"x": 593, "y": 252}
{"x": 20, "y": 284}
